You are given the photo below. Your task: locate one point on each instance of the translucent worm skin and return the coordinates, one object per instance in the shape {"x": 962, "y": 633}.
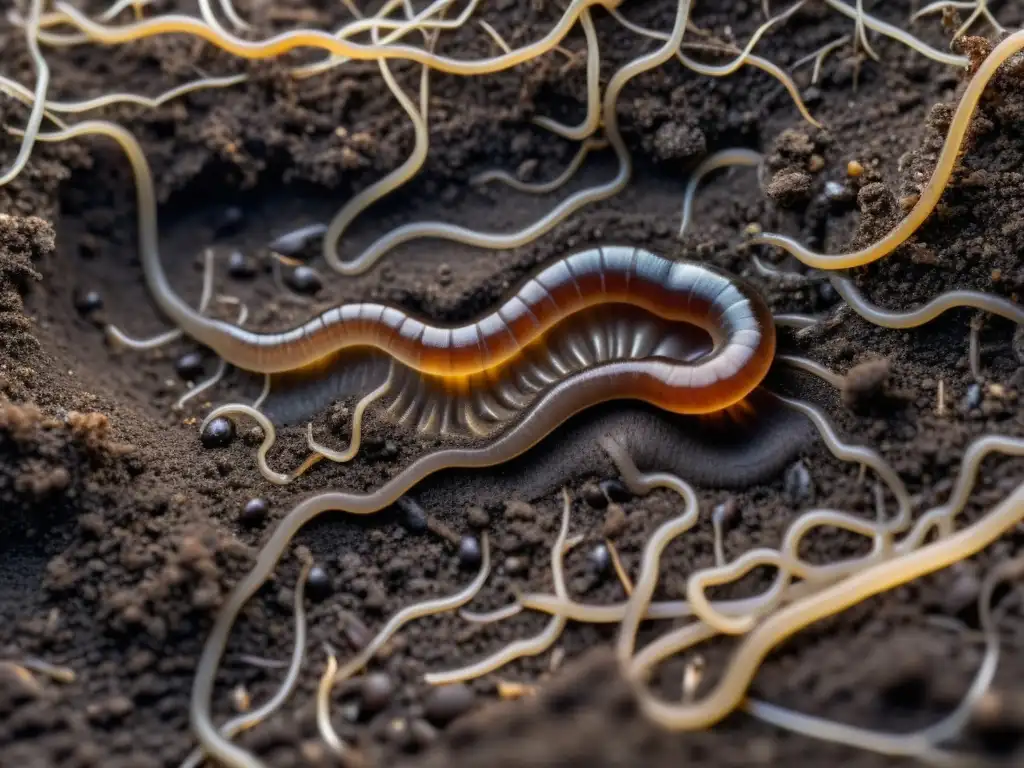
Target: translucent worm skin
{"x": 932, "y": 190}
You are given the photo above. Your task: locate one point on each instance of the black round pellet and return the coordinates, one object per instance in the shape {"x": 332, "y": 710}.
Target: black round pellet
{"x": 318, "y": 583}
{"x": 470, "y": 553}
{"x": 255, "y": 511}
{"x": 616, "y": 491}
{"x": 88, "y": 301}
{"x": 600, "y": 559}
{"x": 230, "y": 221}
{"x": 414, "y": 517}
{"x": 376, "y": 692}
{"x": 594, "y": 496}
{"x": 447, "y": 702}
{"x": 218, "y": 433}
{"x": 190, "y": 366}
{"x": 305, "y": 279}
{"x": 240, "y": 266}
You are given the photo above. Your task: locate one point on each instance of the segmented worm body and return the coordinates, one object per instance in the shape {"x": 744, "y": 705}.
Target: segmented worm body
{"x": 733, "y": 316}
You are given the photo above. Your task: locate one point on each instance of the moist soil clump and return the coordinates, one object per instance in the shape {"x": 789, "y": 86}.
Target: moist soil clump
{"x": 123, "y": 529}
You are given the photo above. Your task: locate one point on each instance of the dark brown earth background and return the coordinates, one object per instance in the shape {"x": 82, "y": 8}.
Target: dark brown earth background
{"x": 120, "y": 534}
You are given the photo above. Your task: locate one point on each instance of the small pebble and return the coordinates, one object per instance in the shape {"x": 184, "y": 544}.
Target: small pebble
{"x": 614, "y": 521}
{"x": 414, "y": 517}
{"x": 594, "y": 496}
{"x": 827, "y": 293}
{"x": 854, "y": 169}
{"x": 376, "y": 692}
{"x": 293, "y": 243}
{"x": 470, "y": 553}
{"x": 447, "y": 702}
{"x": 240, "y": 266}
{"x": 254, "y": 512}
{"x": 304, "y": 279}
{"x": 422, "y": 733}
{"x": 478, "y": 518}
{"x": 515, "y": 566}
{"x": 519, "y": 510}
{"x": 616, "y": 491}
{"x": 89, "y": 301}
{"x": 318, "y": 583}
{"x": 218, "y": 433}
{"x": 230, "y": 222}
{"x": 839, "y": 194}
{"x": 797, "y": 483}
{"x": 973, "y": 397}
{"x": 189, "y": 366}
{"x": 865, "y": 382}
{"x": 600, "y": 559}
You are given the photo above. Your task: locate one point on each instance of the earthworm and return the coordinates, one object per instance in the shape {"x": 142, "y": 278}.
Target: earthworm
{"x": 258, "y": 715}
{"x": 737, "y": 156}
{"x": 924, "y": 742}
{"x": 533, "y": 646}
{"x": 35, "y": 116}
{"x": 307, "y": 38}
{"x": 932, "y": 191}
{"x": 909, "y": 559}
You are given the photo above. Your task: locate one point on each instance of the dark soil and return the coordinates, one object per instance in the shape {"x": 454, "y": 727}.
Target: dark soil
{"x": 120, "y": 534}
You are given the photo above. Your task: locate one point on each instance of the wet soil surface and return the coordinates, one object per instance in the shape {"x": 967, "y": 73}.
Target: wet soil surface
{"x": 121, "y": 534}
